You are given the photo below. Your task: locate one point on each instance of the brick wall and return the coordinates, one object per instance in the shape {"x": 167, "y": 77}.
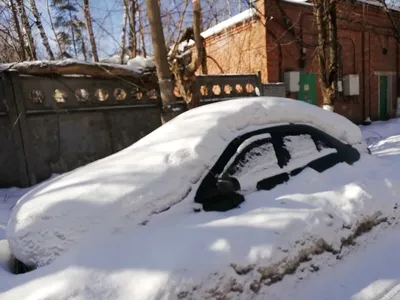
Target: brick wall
{"x": 240, "y": 50}
{"x": 364, "y": 31}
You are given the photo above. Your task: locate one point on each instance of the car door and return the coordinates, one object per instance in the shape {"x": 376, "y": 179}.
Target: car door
{"x": 262, "y": 159}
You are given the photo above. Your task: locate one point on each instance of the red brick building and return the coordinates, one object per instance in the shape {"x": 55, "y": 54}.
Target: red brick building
{"x": 280, "y": 37}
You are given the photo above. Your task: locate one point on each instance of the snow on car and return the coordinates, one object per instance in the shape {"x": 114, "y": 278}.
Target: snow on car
{"x": 127, "y": 226}
{"x": 177, "y": 161}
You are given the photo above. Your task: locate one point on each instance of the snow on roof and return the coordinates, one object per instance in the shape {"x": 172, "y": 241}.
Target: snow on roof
{"x": 239, "y": 18}
{"x": 160, "y": 170}
{"x": 300, "y": 2}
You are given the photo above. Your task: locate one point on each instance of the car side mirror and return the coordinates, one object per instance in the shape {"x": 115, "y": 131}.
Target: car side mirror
{"x": 228, "y": 185}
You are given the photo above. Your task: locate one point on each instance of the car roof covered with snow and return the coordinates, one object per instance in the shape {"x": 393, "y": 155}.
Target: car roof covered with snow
{"x": 158, "y": 171}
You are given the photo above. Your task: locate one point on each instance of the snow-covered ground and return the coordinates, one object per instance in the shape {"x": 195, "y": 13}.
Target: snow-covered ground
{"x": 200, "y": 255}
{"x": 367, "y": 270}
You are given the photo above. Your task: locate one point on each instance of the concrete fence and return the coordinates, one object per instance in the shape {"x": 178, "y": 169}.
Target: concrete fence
{"x": 53, "y": 124}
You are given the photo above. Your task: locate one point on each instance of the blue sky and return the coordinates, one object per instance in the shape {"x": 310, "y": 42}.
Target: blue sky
{"x": 107, "y": 19}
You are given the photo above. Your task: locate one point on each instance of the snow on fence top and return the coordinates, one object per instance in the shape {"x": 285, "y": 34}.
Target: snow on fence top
{"x": 136, "y": 68}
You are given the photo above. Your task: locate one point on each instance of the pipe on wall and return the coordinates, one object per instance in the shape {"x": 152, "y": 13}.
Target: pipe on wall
{"x": 354, "y": 51}
{"x": 364, "y": 113}
{"x": 280, "y": 57}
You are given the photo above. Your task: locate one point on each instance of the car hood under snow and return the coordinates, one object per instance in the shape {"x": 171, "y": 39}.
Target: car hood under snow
{"x": 150, "y": 176}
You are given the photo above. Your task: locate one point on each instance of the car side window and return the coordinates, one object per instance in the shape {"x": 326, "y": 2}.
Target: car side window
{"x": 303, "y": 149}
{"x": 255, "y": 160}
{"x": 299, "y": 146}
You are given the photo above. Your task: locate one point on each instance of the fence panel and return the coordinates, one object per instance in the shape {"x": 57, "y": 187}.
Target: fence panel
{"x": 67, "y": 122}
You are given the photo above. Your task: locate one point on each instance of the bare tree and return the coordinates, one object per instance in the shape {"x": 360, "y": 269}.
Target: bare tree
{"x": 123, "y": 31}
{"x": 18, "y": 29}
{"x": 327, "y": 47}
{"x": 183, "y": 69}
{"x": 391, "y": 18}
{"x": 39, "y": 25}
{"x": 132, "y": 27}
{"x": 327, "y": 51}
{"x": 60, "y": 50}
{"x": 11, "y": 47}
{"x": 27, "y": 30}
{"x": 88, "y": 18}
{"x": 141, "y": 33}
{"x": 69, "y": 27}
{"x": 160, "y": 54}
{"x": 83, "y": 45}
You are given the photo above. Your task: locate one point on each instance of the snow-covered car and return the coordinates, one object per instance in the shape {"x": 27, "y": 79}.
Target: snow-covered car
{"x": 212, "y": 155}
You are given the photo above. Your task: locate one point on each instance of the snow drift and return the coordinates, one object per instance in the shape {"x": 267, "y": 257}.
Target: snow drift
{"x": 183, "y": 255}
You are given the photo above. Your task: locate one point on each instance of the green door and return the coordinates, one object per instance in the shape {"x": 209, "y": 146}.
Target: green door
{"x": 308, "y": 88}
{"x": 383, "y": 97}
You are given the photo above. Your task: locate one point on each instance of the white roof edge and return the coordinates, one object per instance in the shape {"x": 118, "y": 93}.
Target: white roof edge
{"x": 237, "y": 19}
{"x": 299, "y": 2}
{"x": 243, "y": 16}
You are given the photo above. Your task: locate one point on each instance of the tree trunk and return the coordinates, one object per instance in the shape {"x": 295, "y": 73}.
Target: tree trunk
{"x": 141, "y": 32}
{"x": 185, "y": 75}
{"x": 84, "y": 51}
{"x": 161, "y": 59}
{"x": 27, "y": 30}
{"x": 228, "y": 5}
{"x": 72, "y": 32}
{"x": 89, "y": 28}
{"x": 60, "y": 50}
{"x": 327, "y": 50}
{"x": 132, "y": 27}
{"x": 18, "y": 28}
{"x": 43, "y": 34}
{"x": 333, "y": 54}
{"x": 123, "y": 31}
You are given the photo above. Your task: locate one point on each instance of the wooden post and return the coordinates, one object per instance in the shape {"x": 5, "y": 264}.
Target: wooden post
{"x": 259, "y": 84}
